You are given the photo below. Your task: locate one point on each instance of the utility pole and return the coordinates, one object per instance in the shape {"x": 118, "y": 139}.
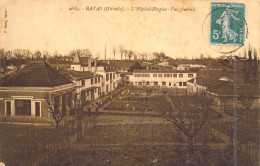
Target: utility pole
{"x": 105, "y": 52}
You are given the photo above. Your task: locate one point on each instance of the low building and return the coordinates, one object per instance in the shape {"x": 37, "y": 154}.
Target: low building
{"x": 190, "y": 66}
{"x": 222, "y": 90}
{"x": 22, "y": 94}
{"x": 168, "y": 78}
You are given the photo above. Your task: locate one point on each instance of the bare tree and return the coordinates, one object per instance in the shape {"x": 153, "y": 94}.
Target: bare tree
{"x": 55, "y": 111}
{"x": 37, "y": 54}
{"x": 130, "y": 54}
{"x": 80, "y": 52}
{"x": 114, "y": 52}
{"x": 188, "y": 113}
{"x": 19, "y": 54}
{"x": 247, "y": 102}
{"x": 121, "y": 50}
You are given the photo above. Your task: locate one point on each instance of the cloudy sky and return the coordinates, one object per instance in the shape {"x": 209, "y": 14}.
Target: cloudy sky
{"x": 50, "y": 25}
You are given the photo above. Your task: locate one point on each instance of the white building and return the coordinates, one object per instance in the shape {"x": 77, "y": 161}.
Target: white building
{"x": 168, "y": 78}
{"x": 111, "y": 78}
{"x": 88, "y": 84}
{"x": 190, "y": 66}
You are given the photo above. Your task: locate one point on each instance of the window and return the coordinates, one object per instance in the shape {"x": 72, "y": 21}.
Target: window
{"x": 114, "y": 85}
{"x": 174, "y": 75}
{"x": 8, "y": 108}
{"x": 91, "y": 81}
{"x": 114, "y": 75}
{"x": 140, "y": 83}
{"x": 147, "y": 83}
{"x": 163, "y": 83}
{"x": 159, "y": 75}
{"x": 83, "y": 82}
{"x": 154, "y": 75}
{"x": 107, "y": 77}
{"x": 110, "y": 76}
{"x": 167, "y": 75}
{"x": 155, "y": 83}
{"x": 180, "y": 83}
{"x": 184, "y": 84}
{"x": 99, "y": 92}
{"x": 95, "y": 80}
{"x": 190, "y": 75}
{"x": 106, "y": 88}
{"x": 98, "y": 79}
{"x": 170, "y": 84}
{"x": 180, "y": 75}
{"x": 23, "y": 107}
{"x": 37, "y": 109}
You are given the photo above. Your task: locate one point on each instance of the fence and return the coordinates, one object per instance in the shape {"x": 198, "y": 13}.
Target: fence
{"x": 34, "y": 146}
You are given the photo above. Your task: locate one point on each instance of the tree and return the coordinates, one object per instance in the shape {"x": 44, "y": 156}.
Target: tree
{"x": 37, "y": 55}
{"x": 247, "y": 101}
{"x": 148, "y": 91}
{"x": 79, "y": 104}
{"x": 114, "y": 51}
{"x": 19, "y": 54}
{"x": 55, "y": 111}
{"x": 188, "y": 113}
{"x": 80, "y": 52}
{"x": 121, "y": 50}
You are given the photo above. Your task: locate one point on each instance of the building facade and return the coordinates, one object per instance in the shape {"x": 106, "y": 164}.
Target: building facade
{"x": 111, "y": 78}
{"x": 23, "y": 93}
{"x": 167, "y": 78}
{"x": 88, "y": 84}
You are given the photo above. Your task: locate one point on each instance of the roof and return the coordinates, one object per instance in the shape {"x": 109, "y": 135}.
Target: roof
{"x": 208, "y": 82}
{"x": 161, "y": 71}
{"x": 82, "y": 60}
{"x": 225, "y": 88}
{"x": 107, "y": 67}
{"x": 228, "y": 89}
{"x": 36, "y": 74}
{"x": 80, "y": 74}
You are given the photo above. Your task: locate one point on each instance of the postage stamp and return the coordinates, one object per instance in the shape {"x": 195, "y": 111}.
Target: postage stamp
{"x": 227, "y": 25}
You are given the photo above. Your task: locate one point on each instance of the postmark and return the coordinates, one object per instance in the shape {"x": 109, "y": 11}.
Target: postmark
{"x": 227, "y": 23}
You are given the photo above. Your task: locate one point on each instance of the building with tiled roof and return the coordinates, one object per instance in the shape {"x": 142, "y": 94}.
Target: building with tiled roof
{"x": 37, "y": 74}
{"x": 225, "y": 91}
{"x": 111, "y": 78}
{"x": 22, "y": 93}
{"x": 88, "y": 84}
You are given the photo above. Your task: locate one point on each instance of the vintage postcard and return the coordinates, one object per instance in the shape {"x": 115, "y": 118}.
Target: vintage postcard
{"x": 129, "y": 82}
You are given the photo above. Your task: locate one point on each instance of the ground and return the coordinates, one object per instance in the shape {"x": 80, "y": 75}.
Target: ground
{"x": 120, "y": 136}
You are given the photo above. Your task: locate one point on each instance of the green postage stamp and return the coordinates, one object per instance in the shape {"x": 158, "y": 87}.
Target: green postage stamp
{"x": 227, "y": 24}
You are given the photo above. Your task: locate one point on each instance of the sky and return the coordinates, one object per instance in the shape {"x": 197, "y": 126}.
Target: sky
{"x": 49, "y": 25}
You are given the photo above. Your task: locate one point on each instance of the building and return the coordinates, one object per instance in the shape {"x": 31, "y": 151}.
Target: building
{"x": 190, "y": 66}
{"x": 111, "y": 78}
{"x": 22, "y": 94}
{"x": 88, "y": 84}
{"x": 168, "y": 78}
{"x": 222, "y": 90}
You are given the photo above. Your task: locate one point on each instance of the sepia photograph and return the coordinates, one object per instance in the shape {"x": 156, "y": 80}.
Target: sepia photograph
{"x": 129, "y": 83}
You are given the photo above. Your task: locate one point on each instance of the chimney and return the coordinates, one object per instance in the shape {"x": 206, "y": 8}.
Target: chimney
{"x": 89, "y": 64}
{"x": 95, "y": 64}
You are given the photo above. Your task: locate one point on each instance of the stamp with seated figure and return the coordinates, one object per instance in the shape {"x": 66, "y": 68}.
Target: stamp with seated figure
{"x": 227, "y": 25}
